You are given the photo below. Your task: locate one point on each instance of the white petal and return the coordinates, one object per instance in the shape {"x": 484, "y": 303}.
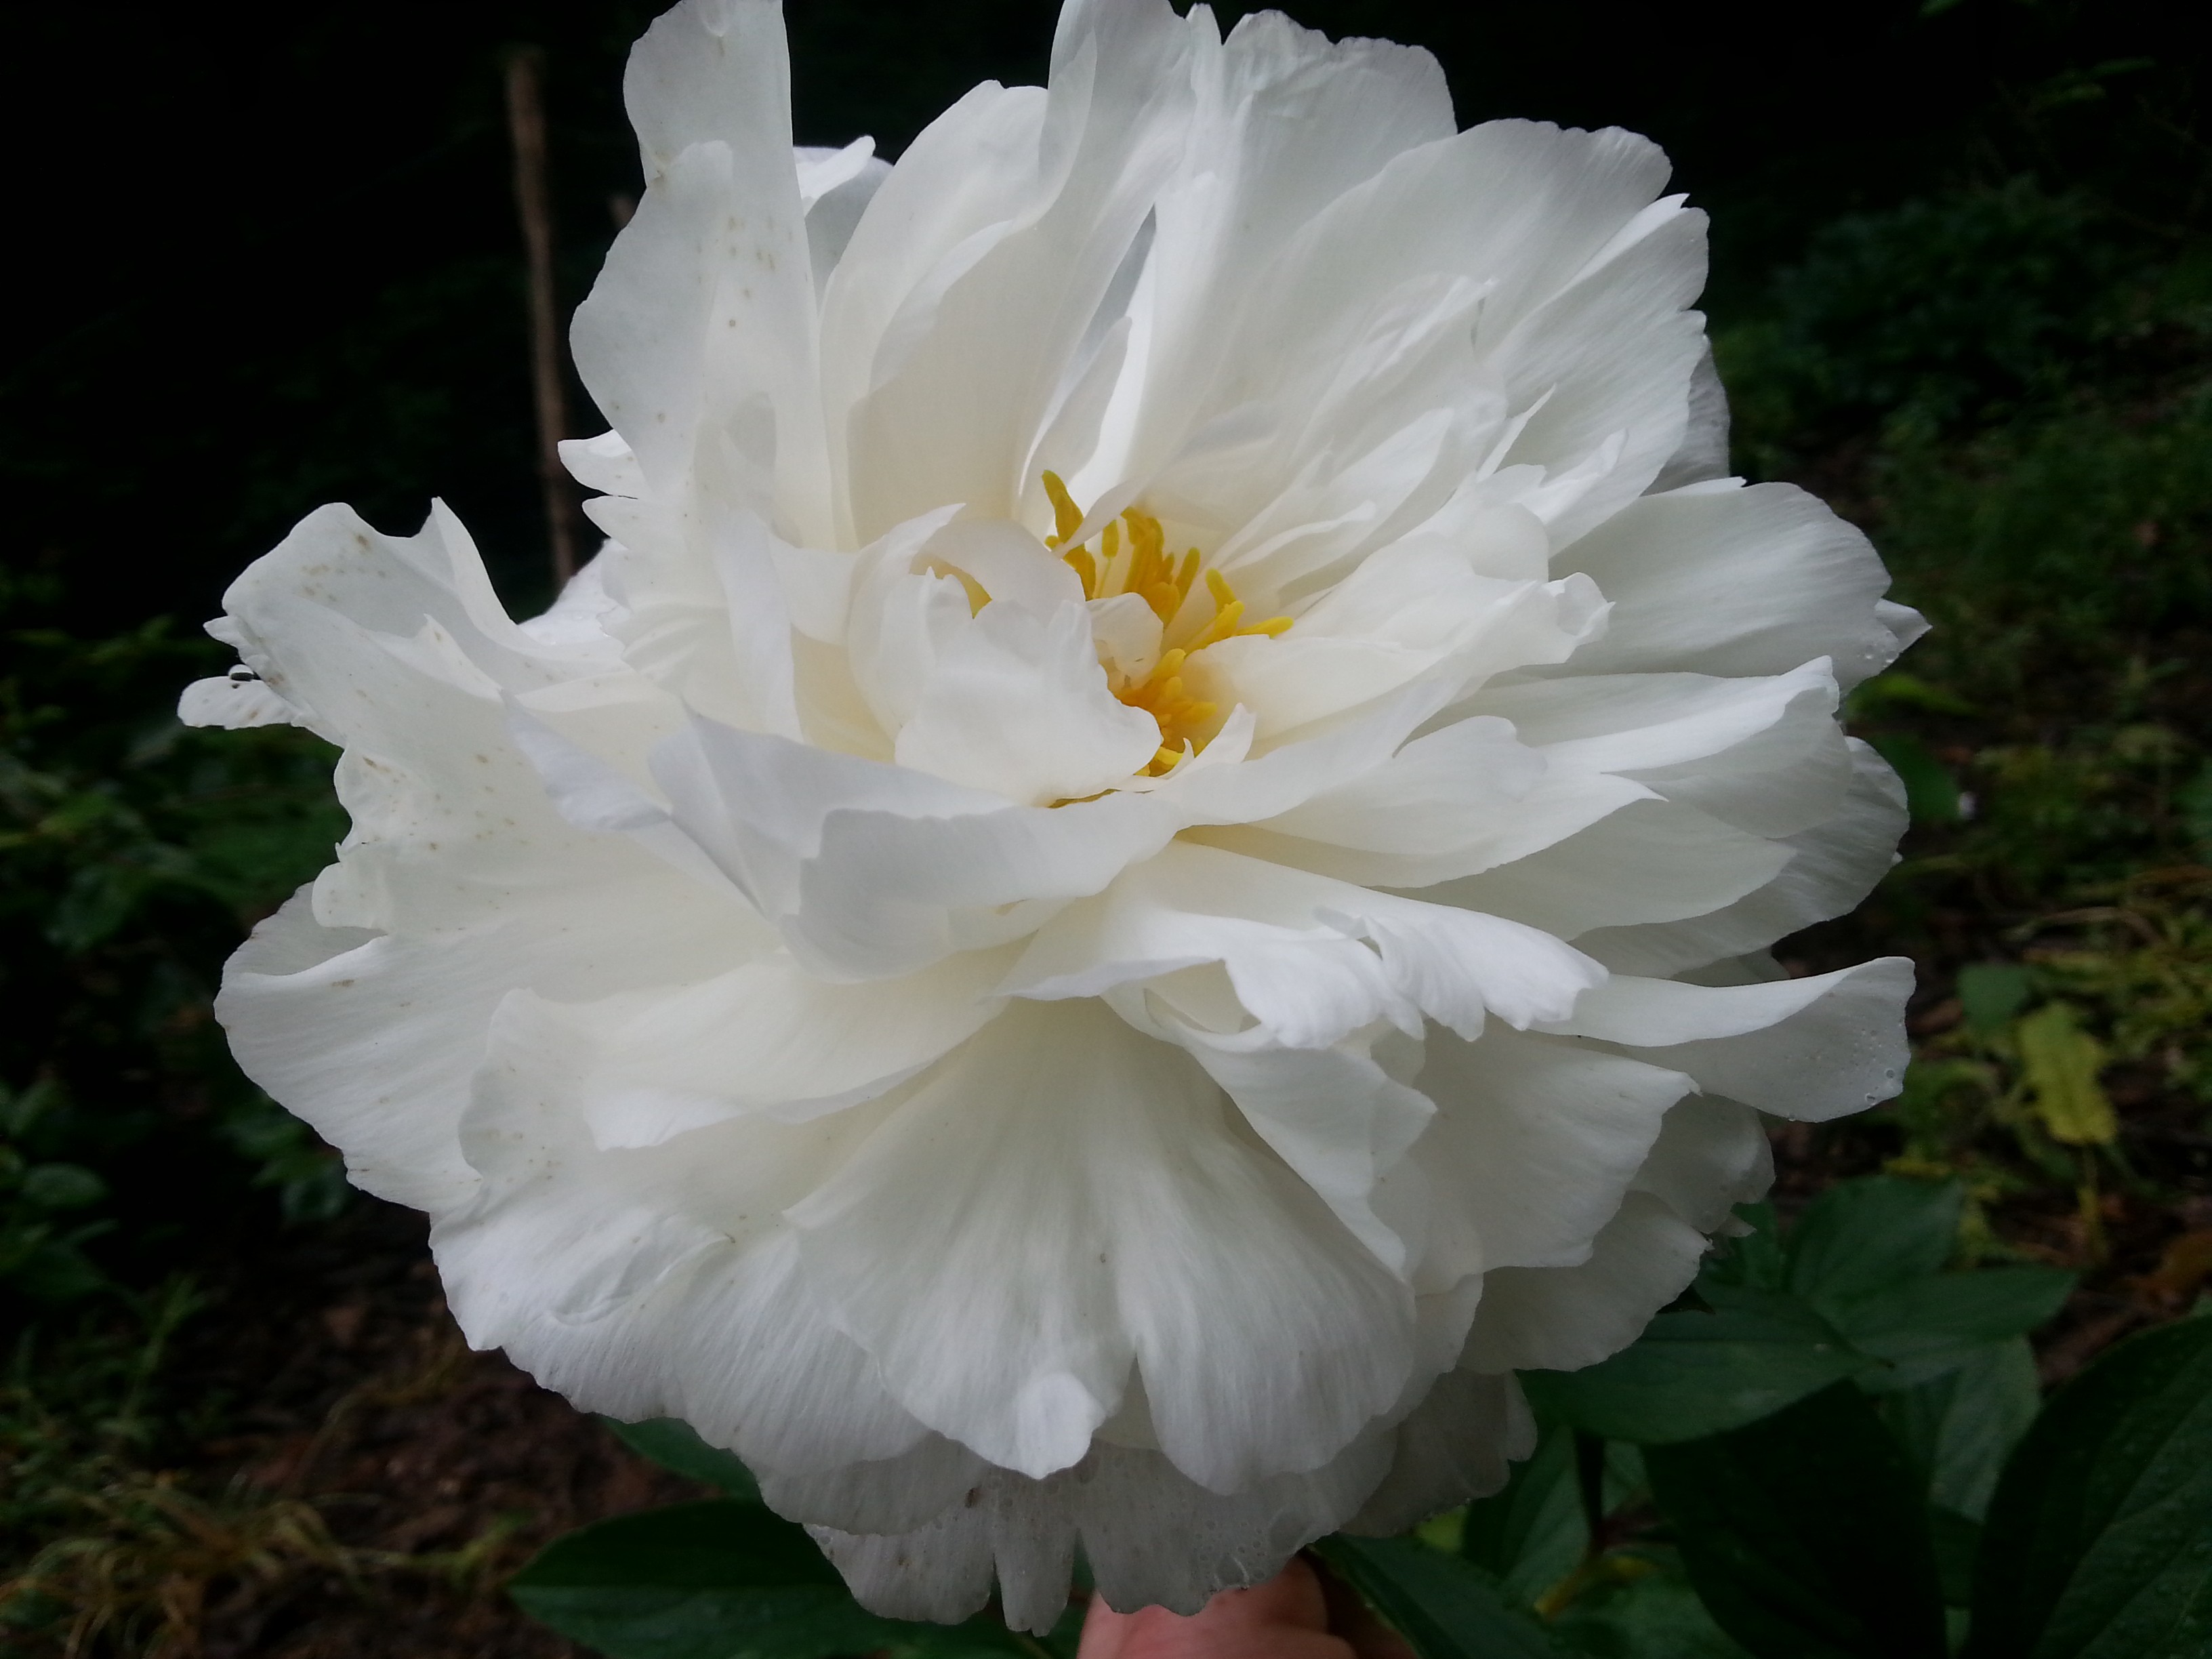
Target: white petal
{"x": 1457, "y": 1445}
{"x": 1810, "y": 1048}
{"x": 882, "y": 1495}
{"x": 603, "y": 463}
{"x": 1118, "y": 1221}
{"x": 1831, "y": 868}
{"x": 698, "y": 340}
{"x": 1765, "y": 754}
{"x": 1637, "y": 722}
{"x": 1703, "y": 452}
{"x": 1723, "y": 580}
{"x": 982, "y": 358}
{"x": 1613, "y": 354}
{"x": 1151, "y": 1536}
{"x": 1017, "y": 704}
{"x": 297, "y": 615}
{"x": 1712, "y": 1155}
{"x": 235, "y": 701}
{"x": 1334, "y": 1116}
{"x": 373, "y": 1040}
{"x": 1513, "y": 208}
{"x": 1285, "y": 122}
{"x": 1425, "y": 799}
{"x": 1535, "y": 1141}
{"x": 1290, "y": 942}
{"x": 658, "y": 1281}
{"x": 1652, "y": 861}
{"x": 581, "y": 612}
{"x": 871, "y": 870}
{"x": 769, "y": 1038}
{"x": 832, "y": 217}
{"x": 1306, "y": 981}
{"x": 821, "y": 171}
{"x": 966, "y": 178}
{"x": 1401, "y": 615}
{"x": 1561, "y": 1319}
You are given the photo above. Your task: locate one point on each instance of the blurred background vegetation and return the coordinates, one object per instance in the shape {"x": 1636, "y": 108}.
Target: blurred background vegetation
{"x": 1962, "y": 287}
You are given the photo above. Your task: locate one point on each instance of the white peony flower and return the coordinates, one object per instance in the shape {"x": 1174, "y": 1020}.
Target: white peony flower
{"x": 1119, "y": 1012}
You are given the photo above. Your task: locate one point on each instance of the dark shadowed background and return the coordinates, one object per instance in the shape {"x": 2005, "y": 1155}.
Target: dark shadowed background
{"x": 267, "y": 260}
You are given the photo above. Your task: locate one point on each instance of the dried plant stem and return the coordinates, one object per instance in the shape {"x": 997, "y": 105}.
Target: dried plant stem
{"x": 526, "y": 120}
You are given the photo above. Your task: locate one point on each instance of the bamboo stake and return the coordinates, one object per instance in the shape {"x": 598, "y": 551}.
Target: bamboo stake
{"x": 526, "y": 121}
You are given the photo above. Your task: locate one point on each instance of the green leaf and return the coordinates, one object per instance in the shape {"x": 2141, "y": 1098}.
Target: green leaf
{"x": 61, "y": 1187}
{"x": 1755, "y": 1258}
{"x": 1446, "y": 1607}
{"x": 1897, "y": 690}
{"x": 1990, "y": 994}
{"x": 1696, "y": 1374}
{"x": 1958, "y": 1541}
{"x": 2100, "y": 1537}
{"x": 1931, "y": 794}
{"x": 2060, "y": 1063}
{"x": 1927, "y": 1326}
{"x": 675, "y": 1445}
{"x": 1531, "y": 1534}
{"x": 719, "y": 1580}
{"x": 1645, "y": 1607}
{"x": 1960, "y": 1428}
{"x": 1806, "y": 1535}
{"x": 1873, "y": 1233}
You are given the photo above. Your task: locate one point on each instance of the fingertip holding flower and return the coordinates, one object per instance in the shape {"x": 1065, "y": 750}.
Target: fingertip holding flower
{"x": 1294, "y": 1615}
{"x": 1144, "y": 864}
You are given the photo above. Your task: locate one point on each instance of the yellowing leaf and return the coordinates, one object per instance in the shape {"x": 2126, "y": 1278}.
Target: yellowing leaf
{"x": 2060, "y": 1061}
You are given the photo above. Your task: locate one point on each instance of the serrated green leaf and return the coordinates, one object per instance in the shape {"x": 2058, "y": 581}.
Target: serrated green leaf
{"x": 1927, "y": 1326}
{"x": 1444, "y": 1606}
{"x": 2100, "y": 1537}
{"x": 1873, "y": 1233}
{"x": 1805, "y": 1534}
{"x": 719, "y": 1580}
{"x": 1693, "y": 1375}
{"x": 675, "y": 1445}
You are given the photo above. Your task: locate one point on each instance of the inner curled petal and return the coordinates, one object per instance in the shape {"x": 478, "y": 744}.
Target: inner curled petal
{"x": 1136, "y": 563}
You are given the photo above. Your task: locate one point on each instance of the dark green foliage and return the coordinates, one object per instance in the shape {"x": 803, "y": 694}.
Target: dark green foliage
{"x": 676, "y": 1445}
{"x": 133, "y": 854}
{"x": 1959, "y": 1427}
{"x": 1448, "y": 1608}
{"x": 1806, "y": 1534}
{"x": 1930, "y": 312}
{"x": 2099, "y": 1538}
{"x": 1865, "y": 1255}
{"x": 1700, "y": 1372}
{"x": 1854, "y": 1292}
{"x": 1845, "y": 1522}
{"x": 1528, "y": 1534}
{"x": 729, "y": 1580}
{"x": 1874, "y": 1234}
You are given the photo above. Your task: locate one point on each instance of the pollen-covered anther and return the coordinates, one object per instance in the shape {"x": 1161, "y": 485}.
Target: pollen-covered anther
{"x": 1135, "y": 560}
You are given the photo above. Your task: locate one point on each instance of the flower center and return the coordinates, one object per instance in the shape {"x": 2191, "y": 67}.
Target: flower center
{"x": 1136, "y": 561}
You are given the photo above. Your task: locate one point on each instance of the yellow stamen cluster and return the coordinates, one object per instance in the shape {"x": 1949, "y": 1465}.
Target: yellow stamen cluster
{"x": 1137, "y": 561}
